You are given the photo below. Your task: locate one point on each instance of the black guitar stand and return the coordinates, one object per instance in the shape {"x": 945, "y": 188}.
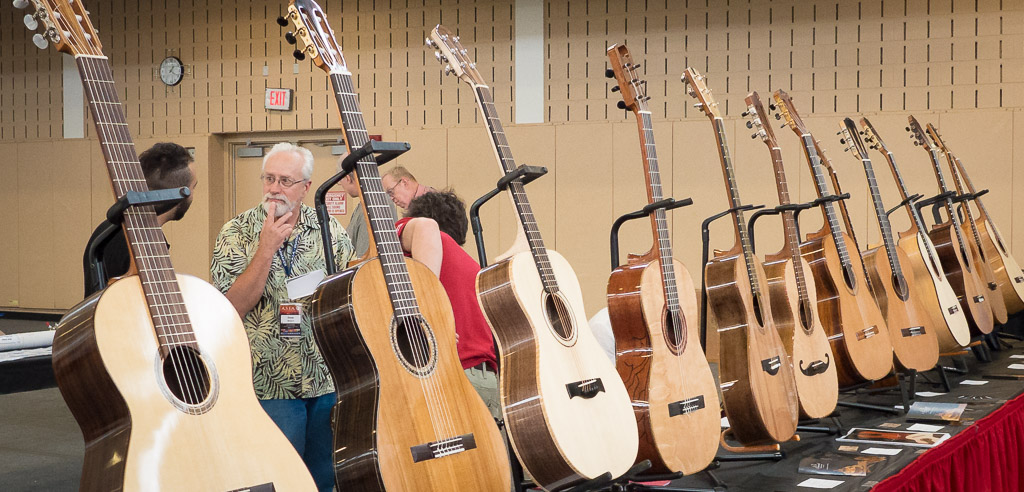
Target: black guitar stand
{"x": 382, "y": 152}
{"x": 796, "y": 208}
{"x": 523, "y": 174}
{"x": 937, "y": 202}
{"x": 666, "y": 204}
{"x": 910, "y": 199}
{"x": 115, "y": 215}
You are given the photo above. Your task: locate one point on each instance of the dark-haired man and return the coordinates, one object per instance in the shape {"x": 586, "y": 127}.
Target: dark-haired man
{"x": 165, "y": 165}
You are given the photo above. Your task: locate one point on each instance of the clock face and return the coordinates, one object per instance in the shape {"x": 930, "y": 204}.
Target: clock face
{"x": 172, "y": 70}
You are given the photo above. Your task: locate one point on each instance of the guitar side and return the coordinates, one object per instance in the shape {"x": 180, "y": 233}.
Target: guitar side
{"x": 656, "y": 376}
{"x": 1004, "y": 266}
{"x": 935, "y": 293}
{"x": 138, "y": 433}
{"x": 962, "y": 276}
{"x": 381, "y": 423}
{"x": 568, "y": 438}
{"x": 987, "y": 279}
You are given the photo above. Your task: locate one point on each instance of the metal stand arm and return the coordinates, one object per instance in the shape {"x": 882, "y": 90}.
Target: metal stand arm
{"x": 666, "y": 204}
{"x": 524, "y": 174}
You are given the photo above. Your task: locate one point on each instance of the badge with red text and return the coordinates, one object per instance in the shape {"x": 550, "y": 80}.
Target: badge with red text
{"x": 291, "y": 320}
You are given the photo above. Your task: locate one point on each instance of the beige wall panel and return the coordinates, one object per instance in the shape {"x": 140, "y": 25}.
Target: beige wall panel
{"x": 37, "y": 168}
{"x": 1016, "y": 225}
{"x": 71, "y": 225}
{"x": 696, "y": 174}
{"x": 473, "y": 170}
{"x": 10, "y": 266}
{"x": 532, "y": 145}
{"x": 583, "y": 180}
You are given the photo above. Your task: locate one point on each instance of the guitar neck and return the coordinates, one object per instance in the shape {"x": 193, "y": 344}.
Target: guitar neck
{"x": 937, "y": 168}
{"x": 791, "y": 239}
{"x": 918, "y": 224}
{"x": 951, "y": 160}
{"x": 883, "y": 217}
{"x": 659, "y": 220}
{"x": 375, "y": 200}
{"x": 984, "y": 216}
{"x": 147, "y": 244}
{"x": 516, "y": 189}
{"x": 739, "y": 222}
{"x": 822, "y": 189}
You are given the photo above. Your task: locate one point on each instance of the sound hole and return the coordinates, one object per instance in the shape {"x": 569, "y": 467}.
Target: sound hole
{"x": 674, "y": 327}
{"x": 848, "y": 277}
{"x": 558, "y": 316}
{"x": 186, "y": 375}
{"x": 967, "y": 263}
{"x": 756, "y": 304}
{"x": 413, "y": 342}
{"x": 805, "y": 315}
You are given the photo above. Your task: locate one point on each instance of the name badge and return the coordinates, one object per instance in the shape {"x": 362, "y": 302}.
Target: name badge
{"x": 291, "y": 320}
{"x": 304, "y": 285}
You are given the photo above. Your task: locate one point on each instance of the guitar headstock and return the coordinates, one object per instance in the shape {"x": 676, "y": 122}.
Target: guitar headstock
{"x": 917, "y": 133}
{"x": 65, "y": 23}
{"x": 449, "y": 51}
{"x": 934, "y": 133}
{"x": 759, "y": 119}
{"x": 624, "y": 71}
{"x": 697, "y": 88}
{"x": 851, "y": 138}
{"x": 788, "y": 111}
{"x": 313, "y": 36}
{"x": 871, "y": 136}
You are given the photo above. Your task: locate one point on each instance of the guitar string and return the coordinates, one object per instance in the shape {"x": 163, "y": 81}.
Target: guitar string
{"x": 122, "y": 155}
{"x": 965, "y": 206}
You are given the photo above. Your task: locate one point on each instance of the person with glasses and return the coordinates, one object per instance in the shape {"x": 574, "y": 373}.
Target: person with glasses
{"x": 402, "y": 186}
{"x": 267, "y": 261}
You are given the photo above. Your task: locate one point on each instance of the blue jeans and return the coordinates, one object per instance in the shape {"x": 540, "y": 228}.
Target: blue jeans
{"x": 306, "y": 422}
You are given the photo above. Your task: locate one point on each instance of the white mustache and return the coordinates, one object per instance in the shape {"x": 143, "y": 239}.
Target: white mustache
{"x": 280, "y": 209}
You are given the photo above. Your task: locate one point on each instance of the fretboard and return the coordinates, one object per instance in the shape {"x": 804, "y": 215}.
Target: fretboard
{"x": 937, "y": 167}
{"x": 659, "y": 220}
{"x": 739, "y": 222}
{"x": 516, "y": 189}
{"x": 822, "y": 188}
{"x": 792, "y": 238}
{"x": 966, "y": 205}
{"x": 147, "y": 244}
{"x": 883, "y": 220}
{"x": 375, "y": 201}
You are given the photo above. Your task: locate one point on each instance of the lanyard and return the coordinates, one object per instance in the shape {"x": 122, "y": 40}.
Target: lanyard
{"x": 291, "y": 260}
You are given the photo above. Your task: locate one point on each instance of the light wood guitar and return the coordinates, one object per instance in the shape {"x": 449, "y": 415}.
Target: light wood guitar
{"x": 406, "y": 417}
{"x": 156, "y": 368}
{"x": 566, "y": 410}
{"x": 914, "y": 340}
{"x": 792, "y": 292}
{"x": 759, "y": 388}
{"x": 653, "y": 312}
{"x": 857, "y": 330}
{"x": 957, "y": 255}
{"x": 1005, "y": 269}
{"x": 939, "y": 301}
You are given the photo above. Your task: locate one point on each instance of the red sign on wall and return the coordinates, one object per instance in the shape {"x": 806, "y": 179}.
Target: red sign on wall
{"x": 336, "y": 201}
{"x": 279, "y": 99}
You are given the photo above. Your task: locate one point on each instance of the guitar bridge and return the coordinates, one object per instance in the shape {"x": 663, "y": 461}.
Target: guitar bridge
{"x": 979, "y": 298}
{"x": 912, "y": 331}
{"x": 586, "y": 389}
{"x": 867, "y": 333}
{"x": 816, "y": 367}
{"x": 442, "y": 448}
{"x": 266, "y": 487}
{"x": 686, "y": 406}
{"x": 953, "y": 309}
{"x": 771, "y": 365}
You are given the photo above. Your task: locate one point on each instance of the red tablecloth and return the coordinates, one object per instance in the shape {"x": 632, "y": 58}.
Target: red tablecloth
{"x": 986, "y": 456}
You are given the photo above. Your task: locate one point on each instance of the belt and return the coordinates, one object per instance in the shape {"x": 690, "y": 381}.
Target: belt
{"x": 485, "y": 366}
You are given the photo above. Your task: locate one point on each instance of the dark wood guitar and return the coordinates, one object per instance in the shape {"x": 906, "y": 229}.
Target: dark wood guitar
{"x": 156, "y": 368}
{"x": 940, "y": 301}
{"x": 914, "y": 341}
{"x": 956, "y": 254}
{"x": 653, "y": 312}
{"x": 792, "y": 292}
{"x": 1006, "y": 272}
{"x": 566, "y": 410}
{"x": 858, "y": 333}
{"x": 406, "y": 417}
{"x": 759, "y": 388}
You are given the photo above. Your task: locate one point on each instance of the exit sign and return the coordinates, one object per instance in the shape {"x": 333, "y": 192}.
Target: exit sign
{"x": 279, "y": 99}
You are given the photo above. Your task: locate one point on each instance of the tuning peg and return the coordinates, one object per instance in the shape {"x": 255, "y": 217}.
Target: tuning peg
{"x": 771, "y": 107}
{"x": 908, "y": 128}
{"x": 842, "y": 141}
{"x": 430, "y": 43}
{"x": 753, "y": 136}
{"x": 778, "y": 116}
{"x": 289, "y": 37}
{"x": 636, "y": 66}
{"x": 40, "y": 41}
{"x": 456, "y": 39}
{"x": 281, "y": 21}
{"x": 615, "y": 89}
{"x": 448, "y": 69}
{"x": 745, "y": 114}
{"x": 750, "y": 124}
{"x": 621, "y": 105}
{"x": 609, "y": 73}
{"x": 699, "y": 105}
{"x": 299, "y": 55}
{"x": 20, "y": 4}
{"x": 783, "y": 125}
{"x": 30, "y": 22}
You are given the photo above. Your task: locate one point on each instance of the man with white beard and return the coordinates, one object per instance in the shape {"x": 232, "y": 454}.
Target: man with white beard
{"x": 267, "y": 261}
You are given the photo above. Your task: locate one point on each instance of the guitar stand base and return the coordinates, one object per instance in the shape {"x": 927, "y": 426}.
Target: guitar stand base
{"x": 716, "y": 484}
{"x": 605, "y": 481}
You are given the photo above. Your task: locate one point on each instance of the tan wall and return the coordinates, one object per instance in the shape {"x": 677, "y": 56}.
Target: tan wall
{"x": 884, "y": 64}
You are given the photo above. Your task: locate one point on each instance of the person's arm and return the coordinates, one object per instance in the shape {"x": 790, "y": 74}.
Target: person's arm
{"x": 247, "y": 289}
{"x": 422, "y": 239}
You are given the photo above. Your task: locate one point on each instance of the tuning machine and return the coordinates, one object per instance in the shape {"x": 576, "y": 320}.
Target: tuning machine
{"x": 440, "y": 58}
{"x": 431, "y": 43}
{"x": 609, "y": 73}
{"x": 621, "y": 105}
{"x": 289, "y": 37}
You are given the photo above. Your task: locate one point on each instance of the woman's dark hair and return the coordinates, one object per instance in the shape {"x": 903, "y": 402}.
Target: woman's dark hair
{"x": 446, "y": 208}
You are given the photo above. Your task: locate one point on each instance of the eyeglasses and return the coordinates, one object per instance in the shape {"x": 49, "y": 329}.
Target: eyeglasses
{"x": 284, "y": 181}
{"x": 391, "y": 191}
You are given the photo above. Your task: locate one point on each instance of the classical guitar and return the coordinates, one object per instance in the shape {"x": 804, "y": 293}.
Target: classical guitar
{"x": 156, "y": 368}
{"x": 956, "y": 254}
{"x": 1005, "y": 269}
{"x": 914, "y": 341}
{"x": 856, "y": 328}
{"x": 566, "y": 410}
{"x": 792, "y": 293}
{"x": 760, "y": 390}
{"x": 653, "y": 312}
{"x": 406, "y": 417}
{"x": 940, "y": 301}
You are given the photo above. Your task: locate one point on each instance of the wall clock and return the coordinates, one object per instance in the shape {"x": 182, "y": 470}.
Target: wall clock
{"x": 172, "y": 71}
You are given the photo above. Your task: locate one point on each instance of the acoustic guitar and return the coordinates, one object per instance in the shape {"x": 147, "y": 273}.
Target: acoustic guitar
{"x": 759, "y": 388}
{"x": 1005, "y": 269}
{"x": 792, "y": 293}
{"x": 156, "y": 368}
{"x": 957, "y": 255}
{"x": 914, "y": 340}
{"x": 566, "y": 410}
{"x": 940, "y": 301}
{"x": 406, "y": 416}
{"x": 857, "y": 331}
{"x": 653, "y": 311}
